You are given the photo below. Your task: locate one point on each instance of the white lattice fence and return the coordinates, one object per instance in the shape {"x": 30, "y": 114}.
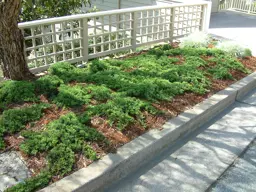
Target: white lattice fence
{"x": 81, "y": 37}
{"x": 247, "y": 6}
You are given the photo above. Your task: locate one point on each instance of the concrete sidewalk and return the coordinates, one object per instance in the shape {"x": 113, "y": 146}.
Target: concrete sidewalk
{"x": 241, "y": 177}
{"x": 197, "y": 161}
{"x": 235, "y": 26}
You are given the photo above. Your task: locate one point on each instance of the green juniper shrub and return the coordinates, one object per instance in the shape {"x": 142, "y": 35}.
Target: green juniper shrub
{"x": 48, "y": 85}
{"x": 172, "y": 74}
{"x": 166, "y": 47}
{"x": 195, "y": 61}
{"x": 14, "y": 120}
{"x": 137, "y": 74}
{"x": 192, "y": 79}
{"x": 121, "y": 86}
{"x": 127, "y": 65}
{"x": 165, "y": 61}
{"x": 220, "y": 73}
{"x": 147, "y": 81}
{"x": 2, "y": 144}
{"x": 64, "y": 70}
{"x": 71, "y": 96}
{"x": 98, "y": 92}
{"x": 158, "y": 52}
{"x": 73, "y": 127}
{"x": 61, "y": 160}
{"x": 173, "y": 52}
{"x": 173, "y": 60}
{"x": 247, "y": 53}
{"x": 89, "y": 153}
{"x": 115, "y": 62}
{"x": 113, "y": 79}
{"x": 228, "y": 62}
{"x": 144, "y": 61}
{"x": 67, "y": 130}
{"x": 32, "y": 184}
{"x": 214, "y": 52}
{"x": 85, "y": 118}
{"x": 197, "y": 52}
{"x": 232, "y": 63}
{"x": 97, "y": 65}
{"x": 121, "y": 110}
{"x": 154, "y": 78}
{"x": 60, "y": 68}
{"x": 154, "y": 89}
{"x": 16, "y": 91}
{"x": 37, "y": 142}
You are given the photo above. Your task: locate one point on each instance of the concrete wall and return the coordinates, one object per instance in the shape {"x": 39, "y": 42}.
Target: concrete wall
{"x": 135, "y": 3}
{"x": 215, "y": 6}
{"x": 104, "y": 5}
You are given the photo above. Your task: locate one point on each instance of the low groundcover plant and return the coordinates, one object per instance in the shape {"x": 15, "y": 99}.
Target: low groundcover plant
{"x": 64, "y": 115}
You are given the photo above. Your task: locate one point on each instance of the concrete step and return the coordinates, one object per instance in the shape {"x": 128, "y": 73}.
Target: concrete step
{"x": 197, "y": 161}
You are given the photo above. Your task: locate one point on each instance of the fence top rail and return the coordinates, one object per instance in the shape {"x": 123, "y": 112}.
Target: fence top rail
{"x": 106, "y": 13}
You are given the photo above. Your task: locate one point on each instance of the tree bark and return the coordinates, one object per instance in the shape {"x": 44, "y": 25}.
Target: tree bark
{"x": 12, "y": 55}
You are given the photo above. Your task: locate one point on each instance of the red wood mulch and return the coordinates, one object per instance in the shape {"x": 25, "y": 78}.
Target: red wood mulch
{"x": 118, "y": 138}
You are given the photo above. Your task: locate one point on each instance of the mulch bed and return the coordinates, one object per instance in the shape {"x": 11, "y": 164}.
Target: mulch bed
{"x": 117, "y": 138}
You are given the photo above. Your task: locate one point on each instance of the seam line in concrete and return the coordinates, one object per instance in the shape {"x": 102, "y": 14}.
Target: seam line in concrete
{"x": 242, "y": 102}
{"x": 232, "y": 164}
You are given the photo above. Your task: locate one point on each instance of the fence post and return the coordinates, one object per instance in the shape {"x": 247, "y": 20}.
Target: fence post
{"x": 24, "y": 47}
{"x": 250, "y": 7}
{"x": 134, "y": 31}
{"x": 172, "y": 22}
{"x": 206, "y": 16}
{"x": 232, "y": 4}
{"x": 85, "y": 38}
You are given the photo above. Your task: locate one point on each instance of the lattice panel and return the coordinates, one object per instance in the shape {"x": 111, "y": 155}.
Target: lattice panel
{"x": 153, "y": 25}
{"x": 110, "y": 33}
{"x": 78, "y": 38}
{"x": 247, "y": 6}
{"x": 187, "y": 20}
{"x": 47, "y": 44}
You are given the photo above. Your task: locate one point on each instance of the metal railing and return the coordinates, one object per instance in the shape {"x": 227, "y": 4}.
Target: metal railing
{"x": 246, "y": 6}
{"x": 78, "y": 38}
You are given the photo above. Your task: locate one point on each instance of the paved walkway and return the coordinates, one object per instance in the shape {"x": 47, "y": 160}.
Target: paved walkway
{"x": 196, "y": 162}
{"x": 236, "y": 26}
{"x": 241, "y": 177}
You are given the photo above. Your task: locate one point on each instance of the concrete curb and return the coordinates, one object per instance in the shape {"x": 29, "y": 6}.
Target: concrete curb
{"x": 129, "y": 157}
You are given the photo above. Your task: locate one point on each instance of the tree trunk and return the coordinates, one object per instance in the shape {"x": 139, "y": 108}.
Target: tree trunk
{"x": 12, "y": 56}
